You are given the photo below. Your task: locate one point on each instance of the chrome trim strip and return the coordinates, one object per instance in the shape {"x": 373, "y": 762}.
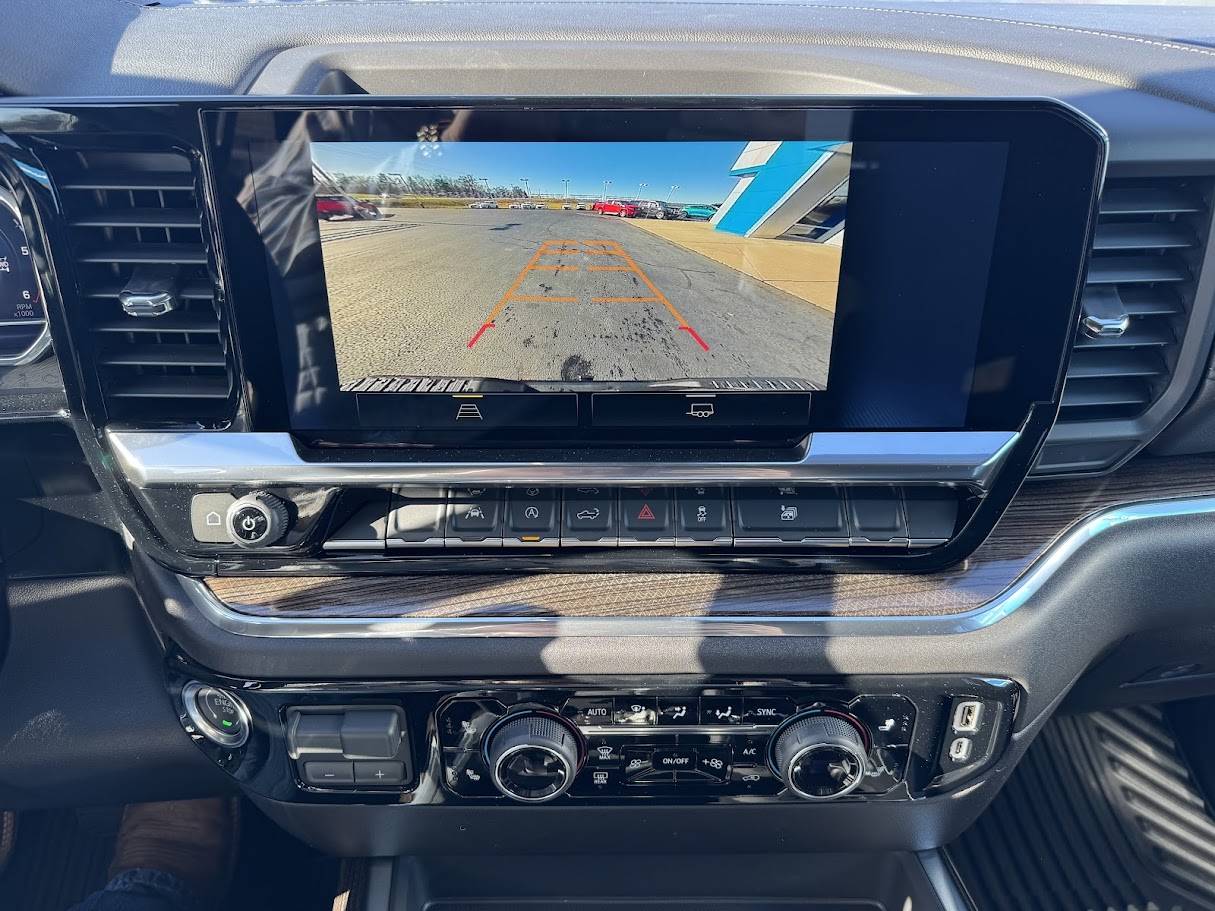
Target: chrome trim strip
{"x": 213, "y": 459}
{"x": 1003, "y": 605}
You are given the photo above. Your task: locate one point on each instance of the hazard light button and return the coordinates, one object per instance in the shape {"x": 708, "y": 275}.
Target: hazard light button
{"x": 647, "y": 515}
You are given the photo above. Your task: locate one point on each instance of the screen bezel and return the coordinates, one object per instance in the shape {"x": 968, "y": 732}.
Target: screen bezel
{"x": 1052, "y": 149}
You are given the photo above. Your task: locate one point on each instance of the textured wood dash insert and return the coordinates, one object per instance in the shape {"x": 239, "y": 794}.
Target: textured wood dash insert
{"x": 1041, "y": 512}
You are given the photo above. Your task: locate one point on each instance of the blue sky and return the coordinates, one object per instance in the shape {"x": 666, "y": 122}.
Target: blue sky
{"x": 699, "y": 169}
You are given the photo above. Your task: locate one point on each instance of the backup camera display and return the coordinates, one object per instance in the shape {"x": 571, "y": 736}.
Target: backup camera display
{"x": 573, "y": 262}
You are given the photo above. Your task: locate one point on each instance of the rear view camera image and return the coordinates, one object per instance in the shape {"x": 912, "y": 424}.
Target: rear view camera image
{"x": 576, "y": 262}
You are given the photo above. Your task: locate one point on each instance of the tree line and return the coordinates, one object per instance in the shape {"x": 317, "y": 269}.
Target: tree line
{"x": 466, "y": 187}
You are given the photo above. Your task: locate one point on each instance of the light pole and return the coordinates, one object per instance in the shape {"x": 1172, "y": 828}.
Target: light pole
{"x": 488, "y": 191}
{"x": 606, "y": 184}
{"x": 565, "y": 188}
{"x": 527, "y": 187}
{"x": 640, "y": 187}
{"x": 674, "y": 187}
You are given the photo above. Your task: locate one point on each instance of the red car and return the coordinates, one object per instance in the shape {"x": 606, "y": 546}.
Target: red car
{"x": 625, "y": 208}
{"x": 330, "y": 207}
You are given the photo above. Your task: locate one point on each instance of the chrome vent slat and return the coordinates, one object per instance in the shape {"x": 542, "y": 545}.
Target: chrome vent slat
{"x": 1160, "y": 235}
{"x": 1107, "y": 393}
{"x": 198, "y": 290}
{"x": 149, "y": 387}
{"x": 129, "y": 212}
{"x": 162, "y": 355}
{"x": 1128, "y": 362}
{"x": 1117, "y": 270}
{"x": 1150, "y": 333}
{"x": 1145, "y": 260}
{"x": 146, "y": 254}
{"x": 177, "y": 180}
{"x": 138, "y": 218}
{"x": 1119, "y": 199}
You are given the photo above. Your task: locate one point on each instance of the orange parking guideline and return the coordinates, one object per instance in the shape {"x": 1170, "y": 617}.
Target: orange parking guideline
{"x": 489, "y": 321}
{"x": 556, "y": 247}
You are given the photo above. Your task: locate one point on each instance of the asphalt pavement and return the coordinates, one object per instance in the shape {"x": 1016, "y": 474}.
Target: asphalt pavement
{"x": 553, "y": 295}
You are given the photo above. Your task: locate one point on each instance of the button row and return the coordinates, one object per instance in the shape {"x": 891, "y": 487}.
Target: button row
{"x": 703, "y": 710}
{"x": 709, "y": 515}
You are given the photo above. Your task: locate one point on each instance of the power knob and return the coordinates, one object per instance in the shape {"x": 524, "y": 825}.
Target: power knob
{"x": 258, "y": 520}
{"x": 533, "y": 756}
{"x": 820, "y": 755}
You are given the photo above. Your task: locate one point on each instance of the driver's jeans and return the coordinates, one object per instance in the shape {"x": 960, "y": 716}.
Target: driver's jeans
{"x": 142, "y": 890}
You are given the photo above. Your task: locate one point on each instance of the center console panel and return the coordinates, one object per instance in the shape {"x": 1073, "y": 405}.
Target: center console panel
{"x": 546, "y": 745}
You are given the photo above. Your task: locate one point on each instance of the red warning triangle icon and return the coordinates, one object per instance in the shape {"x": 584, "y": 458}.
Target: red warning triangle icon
{"x": 646, "y": 512}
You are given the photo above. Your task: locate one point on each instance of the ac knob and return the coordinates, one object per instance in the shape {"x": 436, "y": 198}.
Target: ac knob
{"x": 533, "y": 756}
{"x": 258, "y": 520}
{"x": 820, "y": 755}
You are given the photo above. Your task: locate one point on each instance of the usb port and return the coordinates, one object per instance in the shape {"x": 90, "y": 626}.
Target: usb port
{"x": 966, "y": 717}
{"x": 959, "y": 750}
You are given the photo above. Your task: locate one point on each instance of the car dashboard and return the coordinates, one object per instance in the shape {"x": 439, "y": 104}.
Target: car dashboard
{"x": 628, "y": 613}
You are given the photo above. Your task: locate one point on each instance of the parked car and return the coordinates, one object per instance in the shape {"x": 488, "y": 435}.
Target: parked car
{"x": 330, "y": 207}
{"x": 654, "y": 208}
{"x": 625, "y": 208}
{"x": 702, "y": 213}
{"x": 484, "y": 204}
{"x": 336, "y": 205}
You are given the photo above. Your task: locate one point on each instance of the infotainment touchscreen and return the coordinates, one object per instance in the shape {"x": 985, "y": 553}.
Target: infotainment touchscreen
{"x": 676, "y": 272}
{"x": 572, "y": 262}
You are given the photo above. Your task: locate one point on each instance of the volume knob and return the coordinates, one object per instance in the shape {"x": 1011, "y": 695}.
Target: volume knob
{"x": 533, "y": 756}
{"x": 820, "y": 756}
{"x": 258, "y": 520}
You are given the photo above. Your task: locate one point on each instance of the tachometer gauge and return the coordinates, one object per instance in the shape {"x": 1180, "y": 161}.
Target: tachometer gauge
{"x": 23, "y": 327}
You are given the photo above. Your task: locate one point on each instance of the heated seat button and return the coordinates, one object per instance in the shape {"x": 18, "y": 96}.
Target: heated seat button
{"x": 588, "y": 517}
{"x": 531, "y": 516}
{"x": 463, "y": 723}
{"x": 647, "y": 515}
{"x": 467, "y": 775}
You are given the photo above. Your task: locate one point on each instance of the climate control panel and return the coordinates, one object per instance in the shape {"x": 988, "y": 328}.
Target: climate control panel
{"x": 808, "y": 743}
{"x": 655, "y": 740}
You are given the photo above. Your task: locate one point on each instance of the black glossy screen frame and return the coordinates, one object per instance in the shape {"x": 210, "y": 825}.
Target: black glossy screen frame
{"x": 1056, "y": 158}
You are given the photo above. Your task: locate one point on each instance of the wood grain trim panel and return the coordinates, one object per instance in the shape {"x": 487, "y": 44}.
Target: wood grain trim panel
{"x": 1039, "y": 514}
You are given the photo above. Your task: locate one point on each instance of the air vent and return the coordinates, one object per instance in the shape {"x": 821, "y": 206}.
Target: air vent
{"x": 1140, "y": 291}
{"x": 135, "y": 224}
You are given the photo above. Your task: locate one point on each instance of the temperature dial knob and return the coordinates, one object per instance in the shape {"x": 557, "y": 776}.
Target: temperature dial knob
{"x": 533, "y": 756}
{"x": 820, "y": 756}
{"x": 258, "y": 520}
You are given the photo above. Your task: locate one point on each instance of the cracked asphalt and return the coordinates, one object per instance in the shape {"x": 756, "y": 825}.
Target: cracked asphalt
{"x": 408, "y": 294}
